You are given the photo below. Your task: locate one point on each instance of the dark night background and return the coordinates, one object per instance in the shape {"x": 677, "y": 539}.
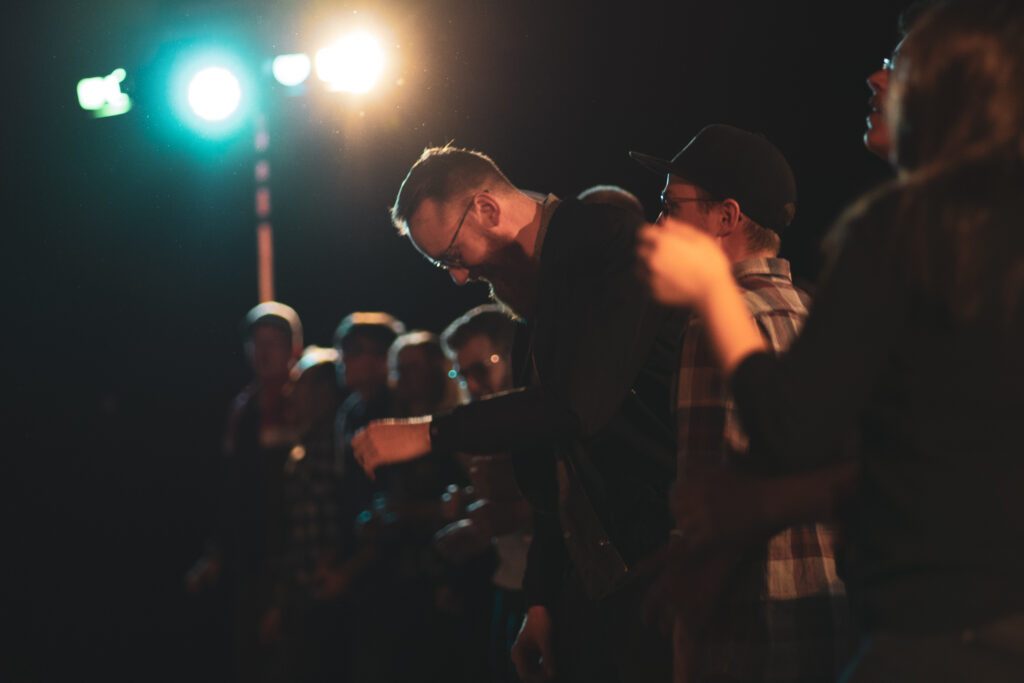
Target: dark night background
{"x": 129, "y": 252}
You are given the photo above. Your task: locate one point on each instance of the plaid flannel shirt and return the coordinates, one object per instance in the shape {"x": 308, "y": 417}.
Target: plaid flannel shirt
{"x": 785, "y": 617}
{"x": 314, "y": 523}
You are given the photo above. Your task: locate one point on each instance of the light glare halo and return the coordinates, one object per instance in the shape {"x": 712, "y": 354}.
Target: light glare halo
{"x": 214, "y": 93}
{"x": 352, "y": 64}
{"x": 291, "y": 70}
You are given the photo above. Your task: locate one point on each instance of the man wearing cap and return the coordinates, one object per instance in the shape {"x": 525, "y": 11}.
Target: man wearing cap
{"x": 784, "y": 615}
{"x": 591, "y": 432}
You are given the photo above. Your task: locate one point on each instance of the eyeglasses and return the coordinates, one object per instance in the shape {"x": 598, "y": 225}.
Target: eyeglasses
{"x": 480, "y": 370}
{"x": 450, "y": 257}
{"x": 889, "y": 63}
{"x": 669, "y": 205}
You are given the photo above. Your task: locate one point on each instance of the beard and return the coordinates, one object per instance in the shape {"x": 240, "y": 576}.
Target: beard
{"x": 511, "y": 277}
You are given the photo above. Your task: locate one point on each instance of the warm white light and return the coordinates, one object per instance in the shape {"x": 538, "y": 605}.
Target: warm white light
{"x": 353, "y": 64}
{"x": 214, "y": 94}
{"x": 291, "y": 70}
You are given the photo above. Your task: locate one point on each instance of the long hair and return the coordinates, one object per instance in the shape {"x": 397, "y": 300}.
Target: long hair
{"x": 958, "y": 86}
{"x": 958, "y": 110}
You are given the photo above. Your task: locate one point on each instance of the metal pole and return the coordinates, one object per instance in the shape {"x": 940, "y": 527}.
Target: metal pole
{"x": 264, "y": 229}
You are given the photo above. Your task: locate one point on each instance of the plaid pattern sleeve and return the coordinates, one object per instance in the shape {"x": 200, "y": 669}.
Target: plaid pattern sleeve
{"x": 314, "y": 520}
{"x": 786, "y": 618}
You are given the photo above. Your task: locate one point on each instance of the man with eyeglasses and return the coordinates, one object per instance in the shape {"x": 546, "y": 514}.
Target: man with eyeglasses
{"x": 496, "y": 515}
{"x": 591, "y": 433}
{"x": 783, "y": 614}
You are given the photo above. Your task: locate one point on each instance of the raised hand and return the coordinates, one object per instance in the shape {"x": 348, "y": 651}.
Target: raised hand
{"x": 682, "y": 265}
{"x": 385, "y": 442}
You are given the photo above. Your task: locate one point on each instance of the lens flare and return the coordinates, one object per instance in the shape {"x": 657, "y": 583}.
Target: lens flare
{"x": 353, "y": 64}
{"x": 214, "y": 94}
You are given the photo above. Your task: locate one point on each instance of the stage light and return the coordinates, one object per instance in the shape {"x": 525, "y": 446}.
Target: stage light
{"x": 214, "y": 93}
{"x": 353, "y": 64}
{"x": 211, "y": 90}
{"x": 102, "y": 95}
{"x": 291, "y": 70}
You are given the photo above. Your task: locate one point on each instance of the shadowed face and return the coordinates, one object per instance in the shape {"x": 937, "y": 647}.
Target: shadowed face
{"x": 450, "y": 235}
{"x": 877, "y": 137}
{"x": 270, "y": 353}
{"x": 485, "y": 371}
{"x": 312, "y": 399}
{"x": 363, "y": 364}
{"x": 680, "y": 201}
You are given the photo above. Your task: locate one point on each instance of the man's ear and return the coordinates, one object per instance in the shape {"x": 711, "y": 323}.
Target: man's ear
{"x": 730, "y": 217}
{"x": 489, "y": 208}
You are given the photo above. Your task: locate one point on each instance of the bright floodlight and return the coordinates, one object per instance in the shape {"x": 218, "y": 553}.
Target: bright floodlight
{"x": 102, "y": 95}
{"x": 291, "y": 70}
{"x": 353, "y": 64}
{"x": 214, "y": 94}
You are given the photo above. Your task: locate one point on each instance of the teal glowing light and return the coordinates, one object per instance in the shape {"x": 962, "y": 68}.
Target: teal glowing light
{"x": 211, "y": 91}
{"x": 291, "y": 70}
{"x": 214, "y": 93}
{"x": 102, "y": 95}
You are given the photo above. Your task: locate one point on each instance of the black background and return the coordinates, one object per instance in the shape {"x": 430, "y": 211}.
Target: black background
{"x": 128, "y": 254}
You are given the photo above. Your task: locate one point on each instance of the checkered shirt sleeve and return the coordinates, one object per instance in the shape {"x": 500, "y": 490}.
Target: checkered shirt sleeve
{"x": 786, "y": 619}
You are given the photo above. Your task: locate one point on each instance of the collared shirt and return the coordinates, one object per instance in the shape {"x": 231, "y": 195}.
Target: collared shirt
{"x": 548, "y": 204}
{"x": 787, "y": 619}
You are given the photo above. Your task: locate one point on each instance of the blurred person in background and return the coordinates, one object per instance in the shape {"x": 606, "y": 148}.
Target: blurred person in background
{"x": 496, "y": 513}
{"x": 362, "y": 340}
{"x": 612, "y": 195}
{"x": 406, "y": 603}
{"x": 313, "y": 586}
{"x": 247, "y": 547}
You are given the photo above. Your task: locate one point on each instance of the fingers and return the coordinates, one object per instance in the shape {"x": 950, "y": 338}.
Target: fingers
{"x": 528, "y": 656}
{"x": 547, "y": 660}
{"x": 520, "y": 661}
{"x": 528, "y": 667}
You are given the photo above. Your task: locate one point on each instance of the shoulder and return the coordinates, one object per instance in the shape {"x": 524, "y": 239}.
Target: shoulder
{"x": 766, "y": 297}
{"x": 592, "y": 232}
{"x": 593, "y": 222}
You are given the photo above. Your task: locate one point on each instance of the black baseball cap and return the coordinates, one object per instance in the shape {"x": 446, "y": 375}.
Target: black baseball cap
{"x": 731, "y": 163}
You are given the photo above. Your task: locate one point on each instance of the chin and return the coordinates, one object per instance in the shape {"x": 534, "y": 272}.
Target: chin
{"x": 877, "y": 143}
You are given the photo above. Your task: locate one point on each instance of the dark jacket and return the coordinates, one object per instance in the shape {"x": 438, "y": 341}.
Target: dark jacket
{"x": 599, "y": 368}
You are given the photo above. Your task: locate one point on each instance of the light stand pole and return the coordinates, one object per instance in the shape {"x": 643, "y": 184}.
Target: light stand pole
{"x": 264, "y": 229}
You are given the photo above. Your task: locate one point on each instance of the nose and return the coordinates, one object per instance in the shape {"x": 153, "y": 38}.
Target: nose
{"x": 878, "y": 82}
{"x": 459, "y": 276}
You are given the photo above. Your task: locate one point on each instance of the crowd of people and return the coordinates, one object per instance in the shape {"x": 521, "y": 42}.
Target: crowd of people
{"x": 656, "y": 458}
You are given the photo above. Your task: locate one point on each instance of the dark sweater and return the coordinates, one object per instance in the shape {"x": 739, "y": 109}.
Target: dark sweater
{"x": 934, "y": 400}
